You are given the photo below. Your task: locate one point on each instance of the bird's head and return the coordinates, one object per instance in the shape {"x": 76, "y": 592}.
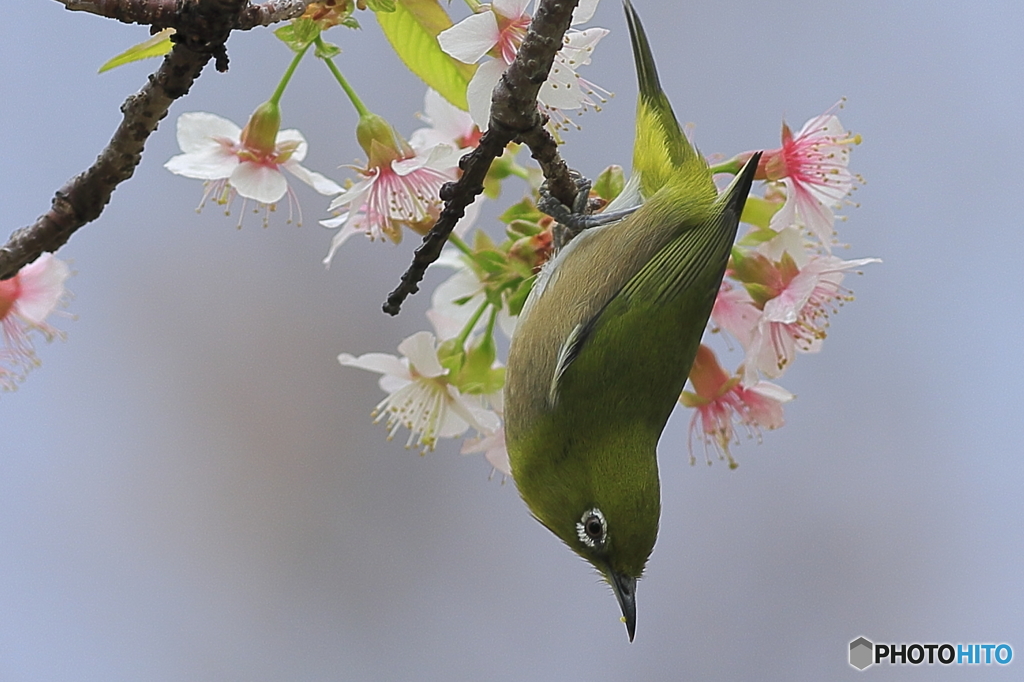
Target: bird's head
{"x": 605, "y": 506}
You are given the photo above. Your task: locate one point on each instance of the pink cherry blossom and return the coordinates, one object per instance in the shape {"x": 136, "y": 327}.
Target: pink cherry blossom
{"x": 735, "y": 312}
{"x": 498, "y": 30}
{"x": 788, "y": 311}
{"x": 447, "y": 125}
{"x": 499, "y": 27}
{"x": 493, "y": 448}
{"x": 398, "y": 192}
{"x": 813, "y": 167}
{"x": 219, "y": 152}
{"x": 401, "y": 183}
{"x": 26, "y": 300}
{"x": 720, "y": 401}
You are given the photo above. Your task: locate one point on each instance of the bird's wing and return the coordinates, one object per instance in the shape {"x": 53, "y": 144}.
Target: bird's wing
{"x": 646, "y": 328}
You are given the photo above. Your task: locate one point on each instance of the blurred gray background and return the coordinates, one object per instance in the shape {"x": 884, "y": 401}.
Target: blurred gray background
{"x": 191, "y": 487}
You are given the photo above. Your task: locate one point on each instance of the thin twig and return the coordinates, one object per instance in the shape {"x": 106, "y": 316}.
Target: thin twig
{"x": 514, "y": 116}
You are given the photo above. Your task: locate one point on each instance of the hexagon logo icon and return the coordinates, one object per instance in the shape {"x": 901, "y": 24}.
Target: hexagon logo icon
{"x": 861, "y": 653}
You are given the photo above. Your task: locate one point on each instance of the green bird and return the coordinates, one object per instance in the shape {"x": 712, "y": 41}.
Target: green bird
{"x": 606, "y": 340}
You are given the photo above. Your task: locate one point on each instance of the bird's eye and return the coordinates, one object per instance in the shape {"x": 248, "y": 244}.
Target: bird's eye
{"x": 592, "y": 528}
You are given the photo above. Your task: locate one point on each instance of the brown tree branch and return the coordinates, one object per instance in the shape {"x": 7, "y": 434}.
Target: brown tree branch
{"x": 514, "y": 116}
{"x": 203, "y": 27}
{"x": 166, "y": 13}
{"x": 271, "y": 12}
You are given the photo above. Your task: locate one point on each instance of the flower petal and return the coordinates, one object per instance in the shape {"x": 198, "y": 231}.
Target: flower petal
{"x": 421, "y": 349}
{"x": 735, "y": 312}
{"x": 350, "y": 227}
{"x": 493, "y": 449}
{"x": 198, "y": 130}
{"x": 213, "y": 163}
{"x": 772, "y": 391}
{"x": 786, "y": 307}
{"x": 266, "y": 184}
{"x": 584, "y": 12}
{"x": 471, "y": 38}
{"x": 478, "y": 92}
{"x": 320, "y": 183}
{"x": 443, "y": 157}
{"x": 42, "y": 286}
{"x": 354, "y": 195}
{"x": 377, "y": 362}
{"x": 448, "y": 317}
{"x": 510, "y": 9}
{"x": 449, "y": 124}
{"x": 564, "y": 89}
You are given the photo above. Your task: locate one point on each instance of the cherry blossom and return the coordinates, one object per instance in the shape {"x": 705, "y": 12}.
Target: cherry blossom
{"x": 812, "y": 165}
{"x": 247, "y": 162}
{"x": 401, "y": 183}
{"x": 399, "y": 192}
{"x": 420, "y": 397}
{"x": 455, "y": 300}
{"x": 498, "y": 30}
{"x": 783, "y": 308}
{"x": 26, "y": 300}
{"x": 447, "y": 124}
{"x": 720, "y": 400}
{"x": 492, "y": 446}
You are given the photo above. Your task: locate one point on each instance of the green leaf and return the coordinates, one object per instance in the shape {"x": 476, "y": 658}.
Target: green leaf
{"x": 517, "y": 229}
{"x": 610, "y": 182}
{"x": 298, "y": 34}
{"x": 524, "y": 210}
{"x": 477, "y": 375}
{"x": 326, "y": 50}
{"x": 412, "y": 30}
{"x": 381, "y": 5}
{"x": 158, "y": 45}
{"x": 492, "y": 262}
{"x": 757, "y": 236}
{"x": 759, "y": 211}
{"x": 482, "y": 240}
{"x": 517, "y": 299}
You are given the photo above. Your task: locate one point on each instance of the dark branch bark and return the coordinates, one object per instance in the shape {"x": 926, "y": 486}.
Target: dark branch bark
{"x": 166, "y": 13}
{"x": 272, "y": 12}
{"x": 203, "y": 28}
{"x": 514, "y": 117}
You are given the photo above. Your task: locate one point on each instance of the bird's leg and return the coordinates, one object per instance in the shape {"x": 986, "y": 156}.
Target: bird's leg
{"x": 573, "y": 221}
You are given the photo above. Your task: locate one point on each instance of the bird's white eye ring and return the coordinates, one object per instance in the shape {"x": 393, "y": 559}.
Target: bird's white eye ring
{"x": 592, "y": 529}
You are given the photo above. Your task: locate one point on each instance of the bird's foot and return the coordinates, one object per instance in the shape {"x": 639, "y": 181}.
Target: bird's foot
{"x": 572, "y": 221}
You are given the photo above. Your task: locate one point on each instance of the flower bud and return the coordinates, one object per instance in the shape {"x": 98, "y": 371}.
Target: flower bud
{"x": 380, "y": 141}
{"x": 534, "y": 250}
{"x": 260, "y": 133}
{"x": 708, "y": 379}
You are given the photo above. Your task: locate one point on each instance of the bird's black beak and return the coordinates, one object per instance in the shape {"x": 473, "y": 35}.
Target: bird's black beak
{"x": 625, "y": 591}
